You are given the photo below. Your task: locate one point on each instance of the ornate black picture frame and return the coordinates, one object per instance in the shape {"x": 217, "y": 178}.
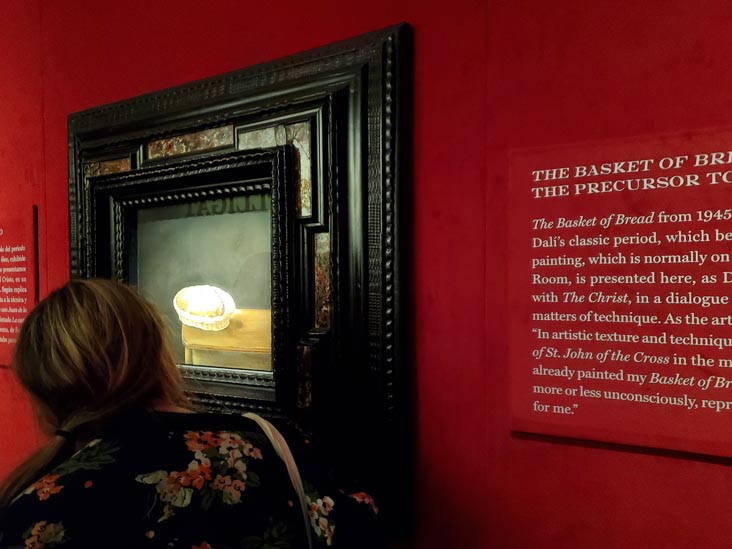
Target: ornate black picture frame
{"x": 343, "y": 110}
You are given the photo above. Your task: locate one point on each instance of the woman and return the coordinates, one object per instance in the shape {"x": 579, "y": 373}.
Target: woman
{"x": 129, "y": 463}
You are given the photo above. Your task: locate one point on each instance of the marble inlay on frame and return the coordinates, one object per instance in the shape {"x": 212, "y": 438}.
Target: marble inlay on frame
{"x": 297, "y": 135}
{"x": 261, "y": 139}
{"x": 323, "y": 297}
{"x": 105, "y": 167}
{"x": 115, "y": 166}
{"x": 191, "y": 142}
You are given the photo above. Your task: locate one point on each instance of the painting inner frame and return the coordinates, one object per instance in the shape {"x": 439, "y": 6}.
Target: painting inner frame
{"x": 261, "y": 177}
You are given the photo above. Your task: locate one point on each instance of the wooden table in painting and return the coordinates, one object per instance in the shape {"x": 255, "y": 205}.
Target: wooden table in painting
{"x": 246, "y": 343}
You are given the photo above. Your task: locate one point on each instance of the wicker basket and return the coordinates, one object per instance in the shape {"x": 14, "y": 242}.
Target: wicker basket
{"x": 209, "y": 323}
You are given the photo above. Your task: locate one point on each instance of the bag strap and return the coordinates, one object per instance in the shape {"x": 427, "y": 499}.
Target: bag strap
{"x": 283, "y": 450}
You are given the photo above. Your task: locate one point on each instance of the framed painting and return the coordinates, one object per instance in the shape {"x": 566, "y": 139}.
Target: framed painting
{"x": 209, "y": 242}
{"x": 277, "y": 191}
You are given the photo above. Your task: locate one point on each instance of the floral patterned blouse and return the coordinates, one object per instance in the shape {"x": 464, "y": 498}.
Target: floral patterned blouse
{"x": 182, "y": 481}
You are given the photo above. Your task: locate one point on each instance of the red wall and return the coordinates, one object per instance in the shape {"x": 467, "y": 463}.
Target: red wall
{"x": 569, "y": 73}
{"x": 21, "y": 183}
{"x": 490, "y": 76}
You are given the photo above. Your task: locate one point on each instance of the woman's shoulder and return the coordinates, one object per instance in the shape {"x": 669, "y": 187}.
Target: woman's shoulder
{"x": 78, "y": 471}
{"x": 196, "y": 432}
{"x": 204, "y": 421}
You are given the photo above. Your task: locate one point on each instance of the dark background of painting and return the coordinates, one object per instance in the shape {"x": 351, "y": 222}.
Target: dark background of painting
{"x": 231, "y": 251}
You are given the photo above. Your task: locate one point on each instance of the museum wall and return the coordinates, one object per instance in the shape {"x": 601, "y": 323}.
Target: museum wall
{"x": 578, "y": 72}
{"x": 21, "y": 184}
{"x": 490, "y": 77}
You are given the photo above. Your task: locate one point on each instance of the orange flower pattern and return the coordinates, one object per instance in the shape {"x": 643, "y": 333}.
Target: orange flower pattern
{"x": 45, "y": 487}
{"x": 219, "y": 470}
{"x": 44, "y": 535}
{"x": 363, "y": 497}
{"x": 91, "y": 457}
{"x": 319, "y": 510}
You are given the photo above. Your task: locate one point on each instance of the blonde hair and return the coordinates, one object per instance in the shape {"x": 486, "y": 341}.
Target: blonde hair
{"x": 89, "y": 351}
